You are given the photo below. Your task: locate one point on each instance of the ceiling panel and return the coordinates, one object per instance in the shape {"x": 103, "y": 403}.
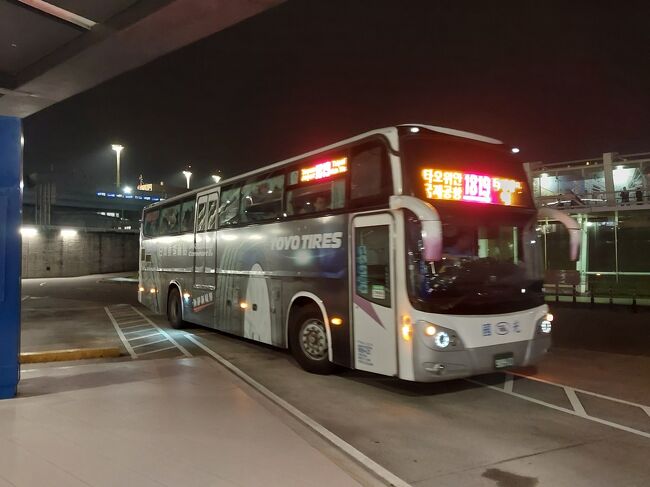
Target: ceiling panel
{"x": 26, "y": 36}
{"x": 98, "y": 10}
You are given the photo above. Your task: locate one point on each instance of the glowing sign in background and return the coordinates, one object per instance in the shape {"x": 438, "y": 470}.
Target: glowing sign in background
{"x": 463, "y": 186}
{"x": 324, "y": 170}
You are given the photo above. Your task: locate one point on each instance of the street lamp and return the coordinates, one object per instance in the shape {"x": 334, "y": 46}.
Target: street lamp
{"x": 216, "y": 178}
{"x": 187, "y": 175}
{"x": 118, "y": 149}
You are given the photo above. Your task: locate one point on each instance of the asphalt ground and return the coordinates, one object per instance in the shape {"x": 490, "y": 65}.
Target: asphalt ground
{"x": 583, "y": 418}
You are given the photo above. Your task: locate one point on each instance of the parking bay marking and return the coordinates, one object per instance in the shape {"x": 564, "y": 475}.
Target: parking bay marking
{"x": 126, "y": 341}
{"x": 578, "y": 408}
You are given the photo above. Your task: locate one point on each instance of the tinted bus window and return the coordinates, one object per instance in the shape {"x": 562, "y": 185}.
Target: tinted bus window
{"x": 373, "y": 264}
{"x": 187, "y": 216}
{"x": 170, "y": 220}
{"x": 201, "y": 216}
{"x": 262, "y": 200}
{"x": 151, "y": 223}
{"x": 229, "y": 208}
{"x": 371, "y": 182}
{"x": 316, "y": 198}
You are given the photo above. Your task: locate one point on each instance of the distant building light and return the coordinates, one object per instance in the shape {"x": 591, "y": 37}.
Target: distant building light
{"x": 28, "y": 232}
{"x": 110, "y": 195}
{"x": 68, "y": 232}
{"x": 129, "y": 196}
{"x": 137, "y": 197}
{"x": 148, "y": 198}
{"x": 101, "y": 193}
{"x": 120, "y": 195}
{"x": 128, "y": 190}
{"x": 515, "y": 150}
{"x": 414, "y": 130}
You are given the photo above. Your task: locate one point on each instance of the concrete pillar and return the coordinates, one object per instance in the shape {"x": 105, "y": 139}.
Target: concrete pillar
{"x": 608, "y": 170}
{"x": 582, "y": 264}
{"x": 10, "y": 253}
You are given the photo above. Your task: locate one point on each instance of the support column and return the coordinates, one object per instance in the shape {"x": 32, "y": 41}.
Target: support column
{"x": 608, "y": 171}
{"x": 582, "y": 265}
{"x": 10, "y": 253}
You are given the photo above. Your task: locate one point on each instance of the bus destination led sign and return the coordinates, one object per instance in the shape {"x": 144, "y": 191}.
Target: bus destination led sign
{"x": 477, "y": 188}
{"x": 324, "y": 170}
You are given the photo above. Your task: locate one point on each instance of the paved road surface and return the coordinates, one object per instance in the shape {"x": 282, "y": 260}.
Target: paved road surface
{"x": 587, "y": 425}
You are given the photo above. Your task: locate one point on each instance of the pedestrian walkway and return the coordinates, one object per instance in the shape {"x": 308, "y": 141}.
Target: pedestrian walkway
{"x": 172, "y": 422}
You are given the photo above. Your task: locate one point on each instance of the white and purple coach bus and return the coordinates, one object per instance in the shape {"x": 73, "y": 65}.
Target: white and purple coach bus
{"x": 409, "y": 251}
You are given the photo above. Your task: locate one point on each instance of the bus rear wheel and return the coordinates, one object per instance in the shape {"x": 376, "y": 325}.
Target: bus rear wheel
{"x": 309, "y": 344}
{"x": 174, "y": 309}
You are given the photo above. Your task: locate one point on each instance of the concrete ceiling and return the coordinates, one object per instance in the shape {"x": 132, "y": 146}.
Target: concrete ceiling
{"x": 52, "y": 50}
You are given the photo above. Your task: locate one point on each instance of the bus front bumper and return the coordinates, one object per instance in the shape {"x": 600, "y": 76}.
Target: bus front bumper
{"x": 433, "y": 366}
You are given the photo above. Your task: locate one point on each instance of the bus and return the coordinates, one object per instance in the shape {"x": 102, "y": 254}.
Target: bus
{"x": 410, "y": 251}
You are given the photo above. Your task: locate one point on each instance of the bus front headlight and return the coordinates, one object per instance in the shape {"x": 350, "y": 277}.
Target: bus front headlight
{"x": 545, "y": 324}
{"x": 438, "y": 337}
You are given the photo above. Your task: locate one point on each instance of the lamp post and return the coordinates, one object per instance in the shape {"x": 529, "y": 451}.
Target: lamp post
{"x": 118, "y": 149}
{"x": 188, "y": 175}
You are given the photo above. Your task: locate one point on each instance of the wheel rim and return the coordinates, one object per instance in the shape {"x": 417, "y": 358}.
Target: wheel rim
{"x": 313, "y": 339}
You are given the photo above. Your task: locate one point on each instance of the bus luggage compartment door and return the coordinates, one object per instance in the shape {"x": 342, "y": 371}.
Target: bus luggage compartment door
{"x": 373, "y": 302}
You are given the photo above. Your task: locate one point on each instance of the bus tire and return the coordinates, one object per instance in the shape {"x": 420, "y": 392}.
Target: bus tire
{"x": 175, "y": 309}
{"x": 308, "y": 341}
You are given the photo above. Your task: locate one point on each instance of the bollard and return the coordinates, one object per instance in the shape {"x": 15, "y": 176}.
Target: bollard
{"x": 591, "y": 297}
{"x": 557, "y": 292}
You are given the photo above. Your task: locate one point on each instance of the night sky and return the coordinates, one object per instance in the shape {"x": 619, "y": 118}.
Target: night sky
{"x": 562, "y": 80}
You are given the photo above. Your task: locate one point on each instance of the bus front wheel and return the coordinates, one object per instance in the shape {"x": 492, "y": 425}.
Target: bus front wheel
{"x": 309, "y": 344}
{"x": 174, "y": 309}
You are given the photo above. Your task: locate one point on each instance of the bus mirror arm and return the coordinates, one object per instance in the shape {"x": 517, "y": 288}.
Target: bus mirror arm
{"x": 575, "y": 233}
{"x": 430, "y": 221}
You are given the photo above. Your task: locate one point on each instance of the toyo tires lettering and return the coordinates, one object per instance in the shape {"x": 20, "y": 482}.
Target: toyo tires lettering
{"x": 331, "y": 240}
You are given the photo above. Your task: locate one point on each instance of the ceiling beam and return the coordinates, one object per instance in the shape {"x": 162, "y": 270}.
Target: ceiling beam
{"x": 59, "y": 13}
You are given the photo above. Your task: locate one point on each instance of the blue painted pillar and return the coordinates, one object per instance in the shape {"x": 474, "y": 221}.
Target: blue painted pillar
{"x": 10, "y": 253}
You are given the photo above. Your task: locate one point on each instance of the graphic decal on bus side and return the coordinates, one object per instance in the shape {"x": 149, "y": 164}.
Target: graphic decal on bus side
{"x": 202, "y": 301}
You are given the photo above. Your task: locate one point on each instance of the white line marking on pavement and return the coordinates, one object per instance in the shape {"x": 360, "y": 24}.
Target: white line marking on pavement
{"x": 508, "y": 384}
{"x": 575, "y": 402}
{"x": 147, "y": 325}
{"x": 120, "y": 334}
{"x": 150, "y": 343}
{"x": 368, "y": 463}
{"x": 581, "y": 391}
{"x": 169, "y": 337}
{"x": 129, "y": 322}
{"x": 564, "y": 410}
{"x": 144, "y": 336}
{"x": 156, "y": 351}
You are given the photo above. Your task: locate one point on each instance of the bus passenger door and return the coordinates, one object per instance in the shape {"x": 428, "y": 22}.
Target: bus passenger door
{"x": 373, "y": 301}
{"x": 203, "y": 292}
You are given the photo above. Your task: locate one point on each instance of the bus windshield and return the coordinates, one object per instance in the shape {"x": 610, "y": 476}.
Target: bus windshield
{"x": 486, "y": 267}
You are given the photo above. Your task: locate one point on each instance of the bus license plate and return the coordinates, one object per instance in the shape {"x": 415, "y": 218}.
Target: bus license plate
{"x": 504, "y": 360}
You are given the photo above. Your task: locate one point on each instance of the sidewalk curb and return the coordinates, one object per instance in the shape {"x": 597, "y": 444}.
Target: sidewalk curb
{"x": 68, "y": 354}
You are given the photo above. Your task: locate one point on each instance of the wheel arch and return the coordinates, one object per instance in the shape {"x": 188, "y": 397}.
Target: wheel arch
{"x": 301, "y": 300}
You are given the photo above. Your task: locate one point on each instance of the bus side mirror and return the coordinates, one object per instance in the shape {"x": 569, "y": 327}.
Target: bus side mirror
{"x": 430, "y": 221}
{"x": 575, "y": 233}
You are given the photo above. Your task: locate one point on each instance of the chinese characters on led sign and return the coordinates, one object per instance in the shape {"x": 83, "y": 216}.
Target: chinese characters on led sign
{"x": 477, "y": 188}
{"x": 324, "y": 170}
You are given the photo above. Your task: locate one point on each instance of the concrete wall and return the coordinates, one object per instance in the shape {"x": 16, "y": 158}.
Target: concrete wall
{"x": 51, "y": 253}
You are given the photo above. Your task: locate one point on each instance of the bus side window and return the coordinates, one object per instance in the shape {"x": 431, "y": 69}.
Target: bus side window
{"x": 262, "y": 199}
{"x": 201, "y": 217}
{"x": 371, "y": 181}
{"x": 170, "y": 220}
{"x": 187, "y": 216}
{"x": 151, "y": 223}
{"x": 229, "y": 207}
{"x": 212, "y": 215}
